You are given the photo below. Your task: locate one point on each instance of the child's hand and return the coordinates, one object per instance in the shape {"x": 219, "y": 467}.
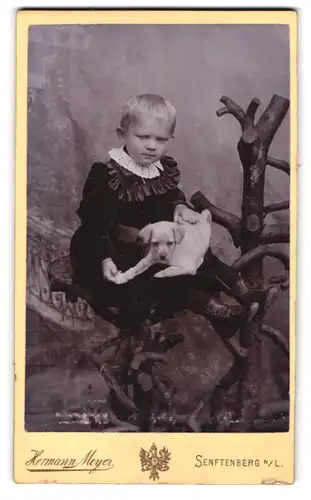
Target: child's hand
{"x": 110, "y": 270}
{"x": 184, "y": 214}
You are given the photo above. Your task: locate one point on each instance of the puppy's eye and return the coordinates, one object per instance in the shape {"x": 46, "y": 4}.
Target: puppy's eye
{"x": 155, "y": 243}
{"x": 170, "y": 243}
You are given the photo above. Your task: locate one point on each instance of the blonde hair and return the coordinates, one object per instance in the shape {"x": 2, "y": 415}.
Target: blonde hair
{"x": 150, "y": 103}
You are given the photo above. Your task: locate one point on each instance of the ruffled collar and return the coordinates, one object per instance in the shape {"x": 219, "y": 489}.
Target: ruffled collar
{"x": 130, "y": 187}
{"x": 148, "y": 172}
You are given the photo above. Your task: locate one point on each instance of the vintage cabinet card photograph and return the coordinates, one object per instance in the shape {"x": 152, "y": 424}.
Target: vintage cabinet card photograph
{"x": 156, "y": 170}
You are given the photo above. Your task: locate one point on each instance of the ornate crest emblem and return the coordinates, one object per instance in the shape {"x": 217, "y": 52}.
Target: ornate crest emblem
{"x": 154, "y": 462}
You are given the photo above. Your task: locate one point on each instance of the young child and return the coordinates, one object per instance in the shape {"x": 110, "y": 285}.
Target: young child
{"x": 135, "y": 186}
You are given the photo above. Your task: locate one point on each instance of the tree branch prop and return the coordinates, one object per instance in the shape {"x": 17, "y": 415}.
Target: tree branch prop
{"x": 276, "y": 336}
{"x": 191, "y": 418}
{"x": 275, "y": 207}
{"x": 253, "y": 151}
{"x": 120, "y": 425}
{"x": 285, "y": 285}
{"x": 112, "y": 420}
{"x": 279, "y": 164}
{"x": 237, "y": 371}
{"x": 259, "y": 253}
{"x": 148, "y": 356}
{"x": 273, "y": 417}
{"x": 275, "y": 233}
{"x": 171, "y": 419}
{"x": 245, "y": 119}
{"x": 251, "y": 110}
{"x": 230, "y": 221}
{"x": 162, "y": 387}
{"x": 276, "y": 280}
{"x": 279, "y": 424}
{"x": 270, "y": 298}
{"x": 235, "y": 348}
{"x": 241, "y": 386}
{"x": 271, "y": 119}
{"x": 114, "y": 386}
{"x": 274, "y": 408}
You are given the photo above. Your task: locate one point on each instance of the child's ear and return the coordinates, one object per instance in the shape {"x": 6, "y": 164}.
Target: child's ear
{"x": 145, "y": 234}
{"x": 179, "y": 233}
{"x": 120, "y": 132}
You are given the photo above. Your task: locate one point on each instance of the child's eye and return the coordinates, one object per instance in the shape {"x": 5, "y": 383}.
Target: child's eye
{"x": 144, "y": 137}
{"x": 162, "y": 139}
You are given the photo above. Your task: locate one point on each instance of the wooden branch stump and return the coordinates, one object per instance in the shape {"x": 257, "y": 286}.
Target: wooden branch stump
{"x": 230, "y": 221}
{"x": 253, "y": 155}
{"x": 255, "y": 237}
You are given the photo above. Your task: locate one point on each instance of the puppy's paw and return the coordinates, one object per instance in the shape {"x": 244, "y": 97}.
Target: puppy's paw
{"x": 192, "y": 271}
{"x": 160, "y": 274}
{"x": 125, "y": 277}
{"x": 120, "y": 279}
{"x": 193, "y": 219}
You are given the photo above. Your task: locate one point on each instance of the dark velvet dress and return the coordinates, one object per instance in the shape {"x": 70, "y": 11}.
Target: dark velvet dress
{"x": 113, "y": 196}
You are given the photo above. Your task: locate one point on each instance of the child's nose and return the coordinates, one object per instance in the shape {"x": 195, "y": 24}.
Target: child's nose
{"x": 151, "y": 145}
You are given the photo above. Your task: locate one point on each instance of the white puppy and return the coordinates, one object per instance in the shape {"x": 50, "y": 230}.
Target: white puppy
{"x": 180, "y": 246}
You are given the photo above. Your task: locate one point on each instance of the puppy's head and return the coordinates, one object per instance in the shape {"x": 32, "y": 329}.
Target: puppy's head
{"x": 162, "y": 237}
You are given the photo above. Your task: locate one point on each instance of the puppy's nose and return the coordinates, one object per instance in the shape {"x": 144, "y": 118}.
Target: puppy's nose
{"x": 162, "y": 256}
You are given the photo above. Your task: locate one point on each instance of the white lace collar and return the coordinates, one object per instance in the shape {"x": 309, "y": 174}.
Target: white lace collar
{"x": 148, "y": 172}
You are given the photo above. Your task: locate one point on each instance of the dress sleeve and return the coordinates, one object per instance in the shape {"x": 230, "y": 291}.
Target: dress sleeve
{"x": 174, "y": 195}
{"x": 97, "y": 212}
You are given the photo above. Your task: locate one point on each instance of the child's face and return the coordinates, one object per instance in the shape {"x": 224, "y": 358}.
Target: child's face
{"x": 146, "y": 138}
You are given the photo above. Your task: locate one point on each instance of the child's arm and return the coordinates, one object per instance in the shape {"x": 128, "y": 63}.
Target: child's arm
{"x": 97, "y": 212}
{"x": 110, "y": 270}
{"x": 183, "y": 214}
{"x": 181, "y": 209}
{"x": 134, "y": 271}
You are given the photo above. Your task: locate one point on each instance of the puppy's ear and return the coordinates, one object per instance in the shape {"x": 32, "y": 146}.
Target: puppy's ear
{"x": 208, "y": 216}
{"x": 145, "y": 234}
{"x": 179, "y": 233}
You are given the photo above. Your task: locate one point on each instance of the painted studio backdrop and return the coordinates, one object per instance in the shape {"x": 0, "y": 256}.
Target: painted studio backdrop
{"x": 79, "y": 77}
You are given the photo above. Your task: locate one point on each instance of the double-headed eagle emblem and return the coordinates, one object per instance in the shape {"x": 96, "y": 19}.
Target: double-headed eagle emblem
{"x": 154, "y": 462}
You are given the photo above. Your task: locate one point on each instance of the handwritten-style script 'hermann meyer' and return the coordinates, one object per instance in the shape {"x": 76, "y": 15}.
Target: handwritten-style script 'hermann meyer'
{"x": 90, "y": 462}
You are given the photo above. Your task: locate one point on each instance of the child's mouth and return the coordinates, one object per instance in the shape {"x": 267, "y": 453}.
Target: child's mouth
{"x": 149, "y": 156}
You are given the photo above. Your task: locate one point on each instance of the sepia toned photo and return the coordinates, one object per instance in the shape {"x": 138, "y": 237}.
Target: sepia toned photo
{"x": 158, "y": 234}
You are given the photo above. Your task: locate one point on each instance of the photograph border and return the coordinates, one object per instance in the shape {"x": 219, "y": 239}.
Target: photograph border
{"x": 118, "y": 454}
